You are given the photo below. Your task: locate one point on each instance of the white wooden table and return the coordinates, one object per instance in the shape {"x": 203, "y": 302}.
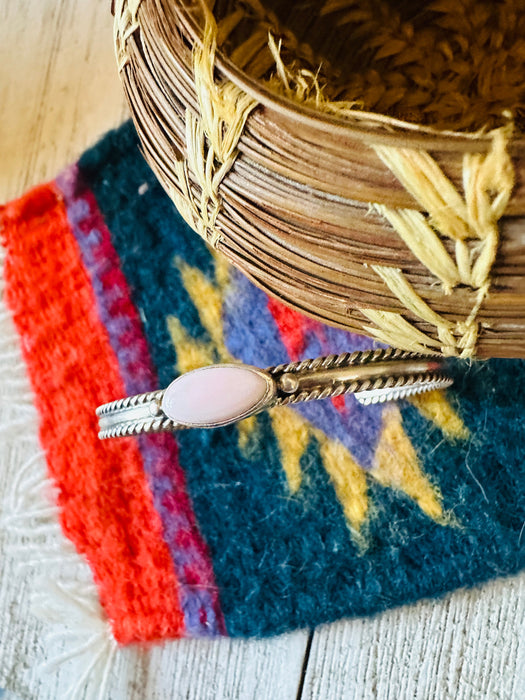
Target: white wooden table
{"x": 58, "y": 93}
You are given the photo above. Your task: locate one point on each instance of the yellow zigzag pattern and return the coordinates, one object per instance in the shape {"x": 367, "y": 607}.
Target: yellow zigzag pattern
{"x": 396, "y": 463}
{"x": 207, "y": 299}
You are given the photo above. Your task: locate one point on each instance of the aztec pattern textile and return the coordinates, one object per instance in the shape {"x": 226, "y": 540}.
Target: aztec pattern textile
{"x": 298, "y": 516}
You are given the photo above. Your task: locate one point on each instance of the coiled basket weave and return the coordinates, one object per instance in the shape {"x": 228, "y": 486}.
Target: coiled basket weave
{"x": 361, "y": 161}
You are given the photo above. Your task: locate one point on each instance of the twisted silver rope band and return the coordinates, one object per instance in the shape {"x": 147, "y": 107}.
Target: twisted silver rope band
{"x": 372, "y": 375}
{"x": 119, "y": 419}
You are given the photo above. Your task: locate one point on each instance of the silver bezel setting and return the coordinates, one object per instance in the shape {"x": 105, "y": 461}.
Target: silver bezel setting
{"x": 267, "y": 400}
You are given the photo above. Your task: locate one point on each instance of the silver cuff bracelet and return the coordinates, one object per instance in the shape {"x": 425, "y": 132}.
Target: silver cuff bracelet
{"x": 222, "y": 394}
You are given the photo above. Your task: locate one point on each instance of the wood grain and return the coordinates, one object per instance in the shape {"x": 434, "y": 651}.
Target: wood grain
{"x": 59, "y": 89}
{"x": 449, "y": 650}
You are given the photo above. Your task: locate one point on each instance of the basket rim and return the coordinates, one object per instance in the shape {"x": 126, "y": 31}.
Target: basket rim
{"x": 370, "y": 127}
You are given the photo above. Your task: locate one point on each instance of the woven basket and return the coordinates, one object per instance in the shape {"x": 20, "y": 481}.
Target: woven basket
{"x": 410, "y": 232}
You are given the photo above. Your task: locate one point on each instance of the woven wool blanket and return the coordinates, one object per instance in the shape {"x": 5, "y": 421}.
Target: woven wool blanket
{"x": 295, "y": 517}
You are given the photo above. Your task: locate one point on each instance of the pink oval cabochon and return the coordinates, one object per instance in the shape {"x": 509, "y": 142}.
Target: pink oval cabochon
{"x": 214, "y": 395}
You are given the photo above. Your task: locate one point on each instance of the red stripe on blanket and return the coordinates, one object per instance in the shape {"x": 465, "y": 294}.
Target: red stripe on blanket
{"x": 105, "y": 504}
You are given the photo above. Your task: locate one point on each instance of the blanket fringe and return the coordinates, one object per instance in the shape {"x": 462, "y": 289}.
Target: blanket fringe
{"x": 63, "y": 594}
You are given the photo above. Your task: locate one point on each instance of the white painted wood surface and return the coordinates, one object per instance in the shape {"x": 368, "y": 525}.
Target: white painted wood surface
{"x": 463, "y": 647}
{"x": 58, "y": 93}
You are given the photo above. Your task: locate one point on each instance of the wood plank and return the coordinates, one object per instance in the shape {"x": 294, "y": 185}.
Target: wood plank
{"x": 236, "y": 669}
{"x": 467, "y": 646}
{"x": 59, "y": 87}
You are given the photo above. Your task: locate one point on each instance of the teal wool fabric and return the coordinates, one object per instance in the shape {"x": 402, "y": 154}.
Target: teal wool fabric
{"x": 437, "y": 500}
